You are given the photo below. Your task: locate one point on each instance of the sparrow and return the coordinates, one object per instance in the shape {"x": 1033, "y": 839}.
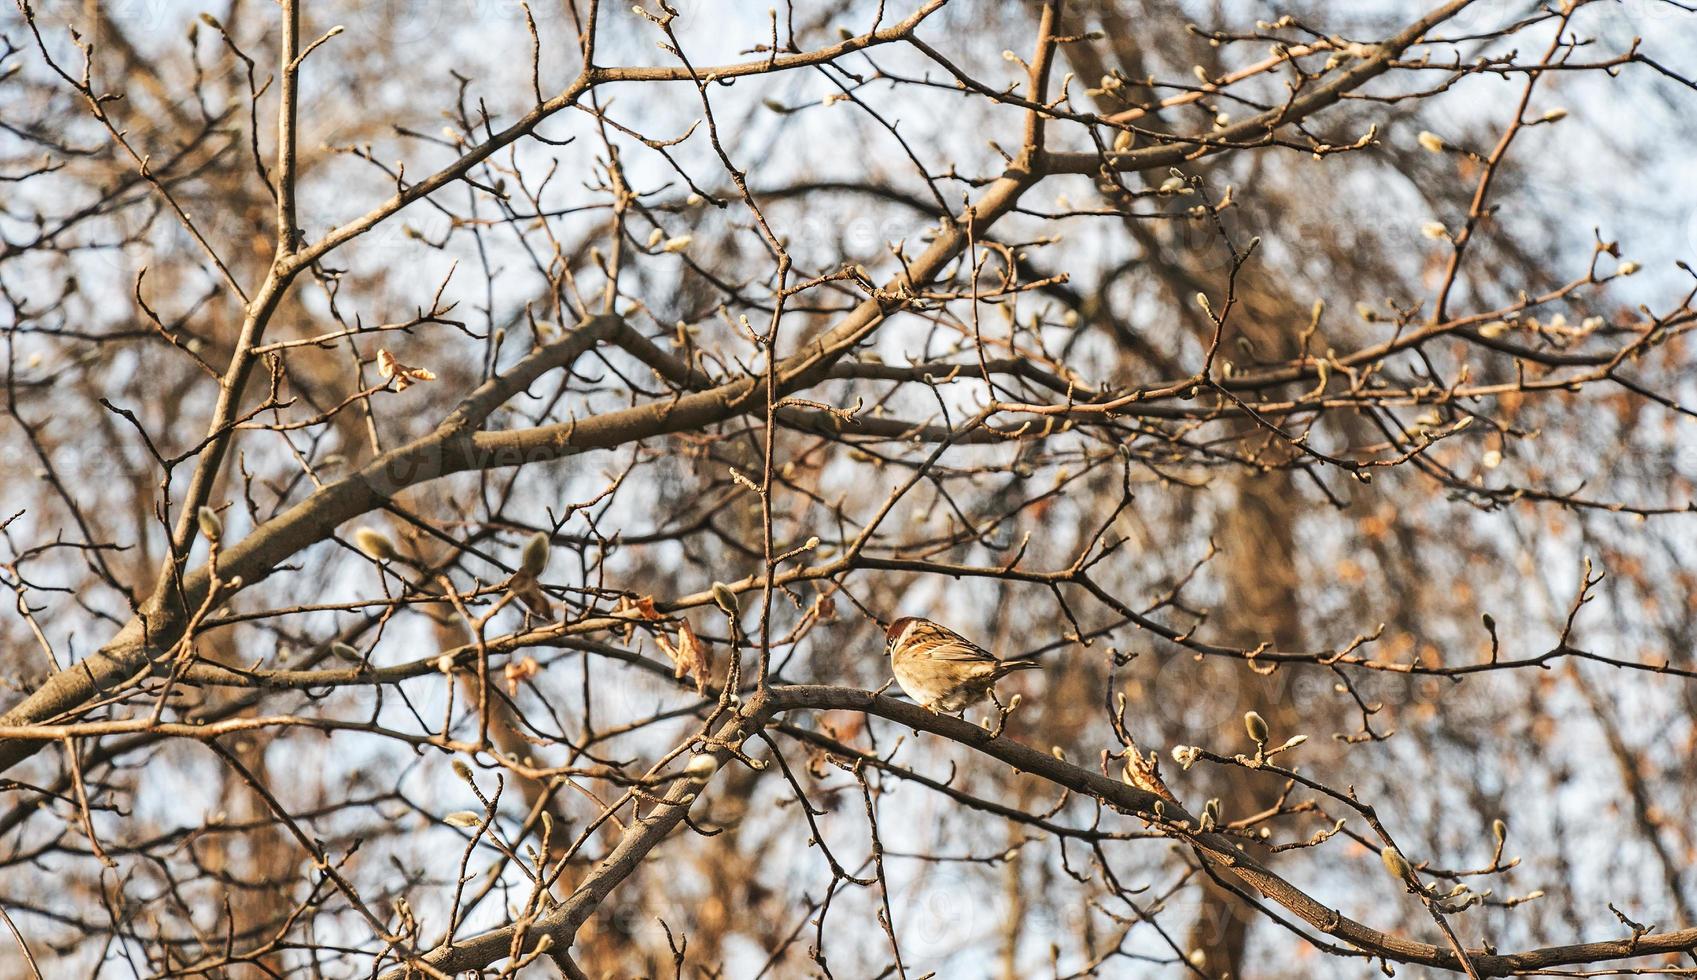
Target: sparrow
{"x": 941, "y": 669}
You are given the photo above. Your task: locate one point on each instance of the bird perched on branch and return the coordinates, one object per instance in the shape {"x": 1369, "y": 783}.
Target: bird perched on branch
{"x": 941, "y": 669}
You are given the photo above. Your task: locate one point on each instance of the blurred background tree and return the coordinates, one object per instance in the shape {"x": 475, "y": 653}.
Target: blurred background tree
{"x": 461, "y": 457}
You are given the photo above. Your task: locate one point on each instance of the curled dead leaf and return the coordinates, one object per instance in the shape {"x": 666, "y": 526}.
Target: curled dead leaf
{"x": 679, "y": 666}
{"x": 694, "y": 653}
{"x": 517, "y": 672}
{"x": 1145, "y": 774}
{"x": 640, "y": 608}
{"x": 689, "y": 656}
{"x": 402, "y": 376}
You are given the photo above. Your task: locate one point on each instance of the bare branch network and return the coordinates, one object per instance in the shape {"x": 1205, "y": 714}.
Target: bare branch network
{"x": 471, "y": 471}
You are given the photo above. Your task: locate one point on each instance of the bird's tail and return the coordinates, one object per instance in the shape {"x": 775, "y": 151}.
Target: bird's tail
{"x": 1009, "y": 666}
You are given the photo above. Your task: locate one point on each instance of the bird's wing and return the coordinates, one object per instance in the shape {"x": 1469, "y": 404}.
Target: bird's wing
{"x": 942, "y": 643}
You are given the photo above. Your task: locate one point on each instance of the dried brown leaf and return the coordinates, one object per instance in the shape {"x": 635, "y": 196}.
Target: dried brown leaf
{"x": 694, "y": 655}
{"x": 517, "y": 672}
{"x": 402, "y": 375}
{"x": 1145, "y": 774}
{"x": 680, "y": 666}
{"x": 642, "y": 607}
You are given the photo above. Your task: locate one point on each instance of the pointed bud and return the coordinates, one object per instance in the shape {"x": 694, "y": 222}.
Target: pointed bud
{"x": 1256, "y": 726}
{"x": 725, "y": 598}
{"x": 1499, "y": 830}
{"x": 535, "y": 556}
{"x": 346, "y": 652}
{"x": 374, "y": 543}
{"x": 463, "y": 818}
{"x": 1396, "y": 864}
{"x": 462, "y": 770}
{"x": 211, "y": 525}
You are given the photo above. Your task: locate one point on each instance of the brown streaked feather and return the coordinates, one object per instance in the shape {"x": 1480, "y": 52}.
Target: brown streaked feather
{"x": 925, "y": 638}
